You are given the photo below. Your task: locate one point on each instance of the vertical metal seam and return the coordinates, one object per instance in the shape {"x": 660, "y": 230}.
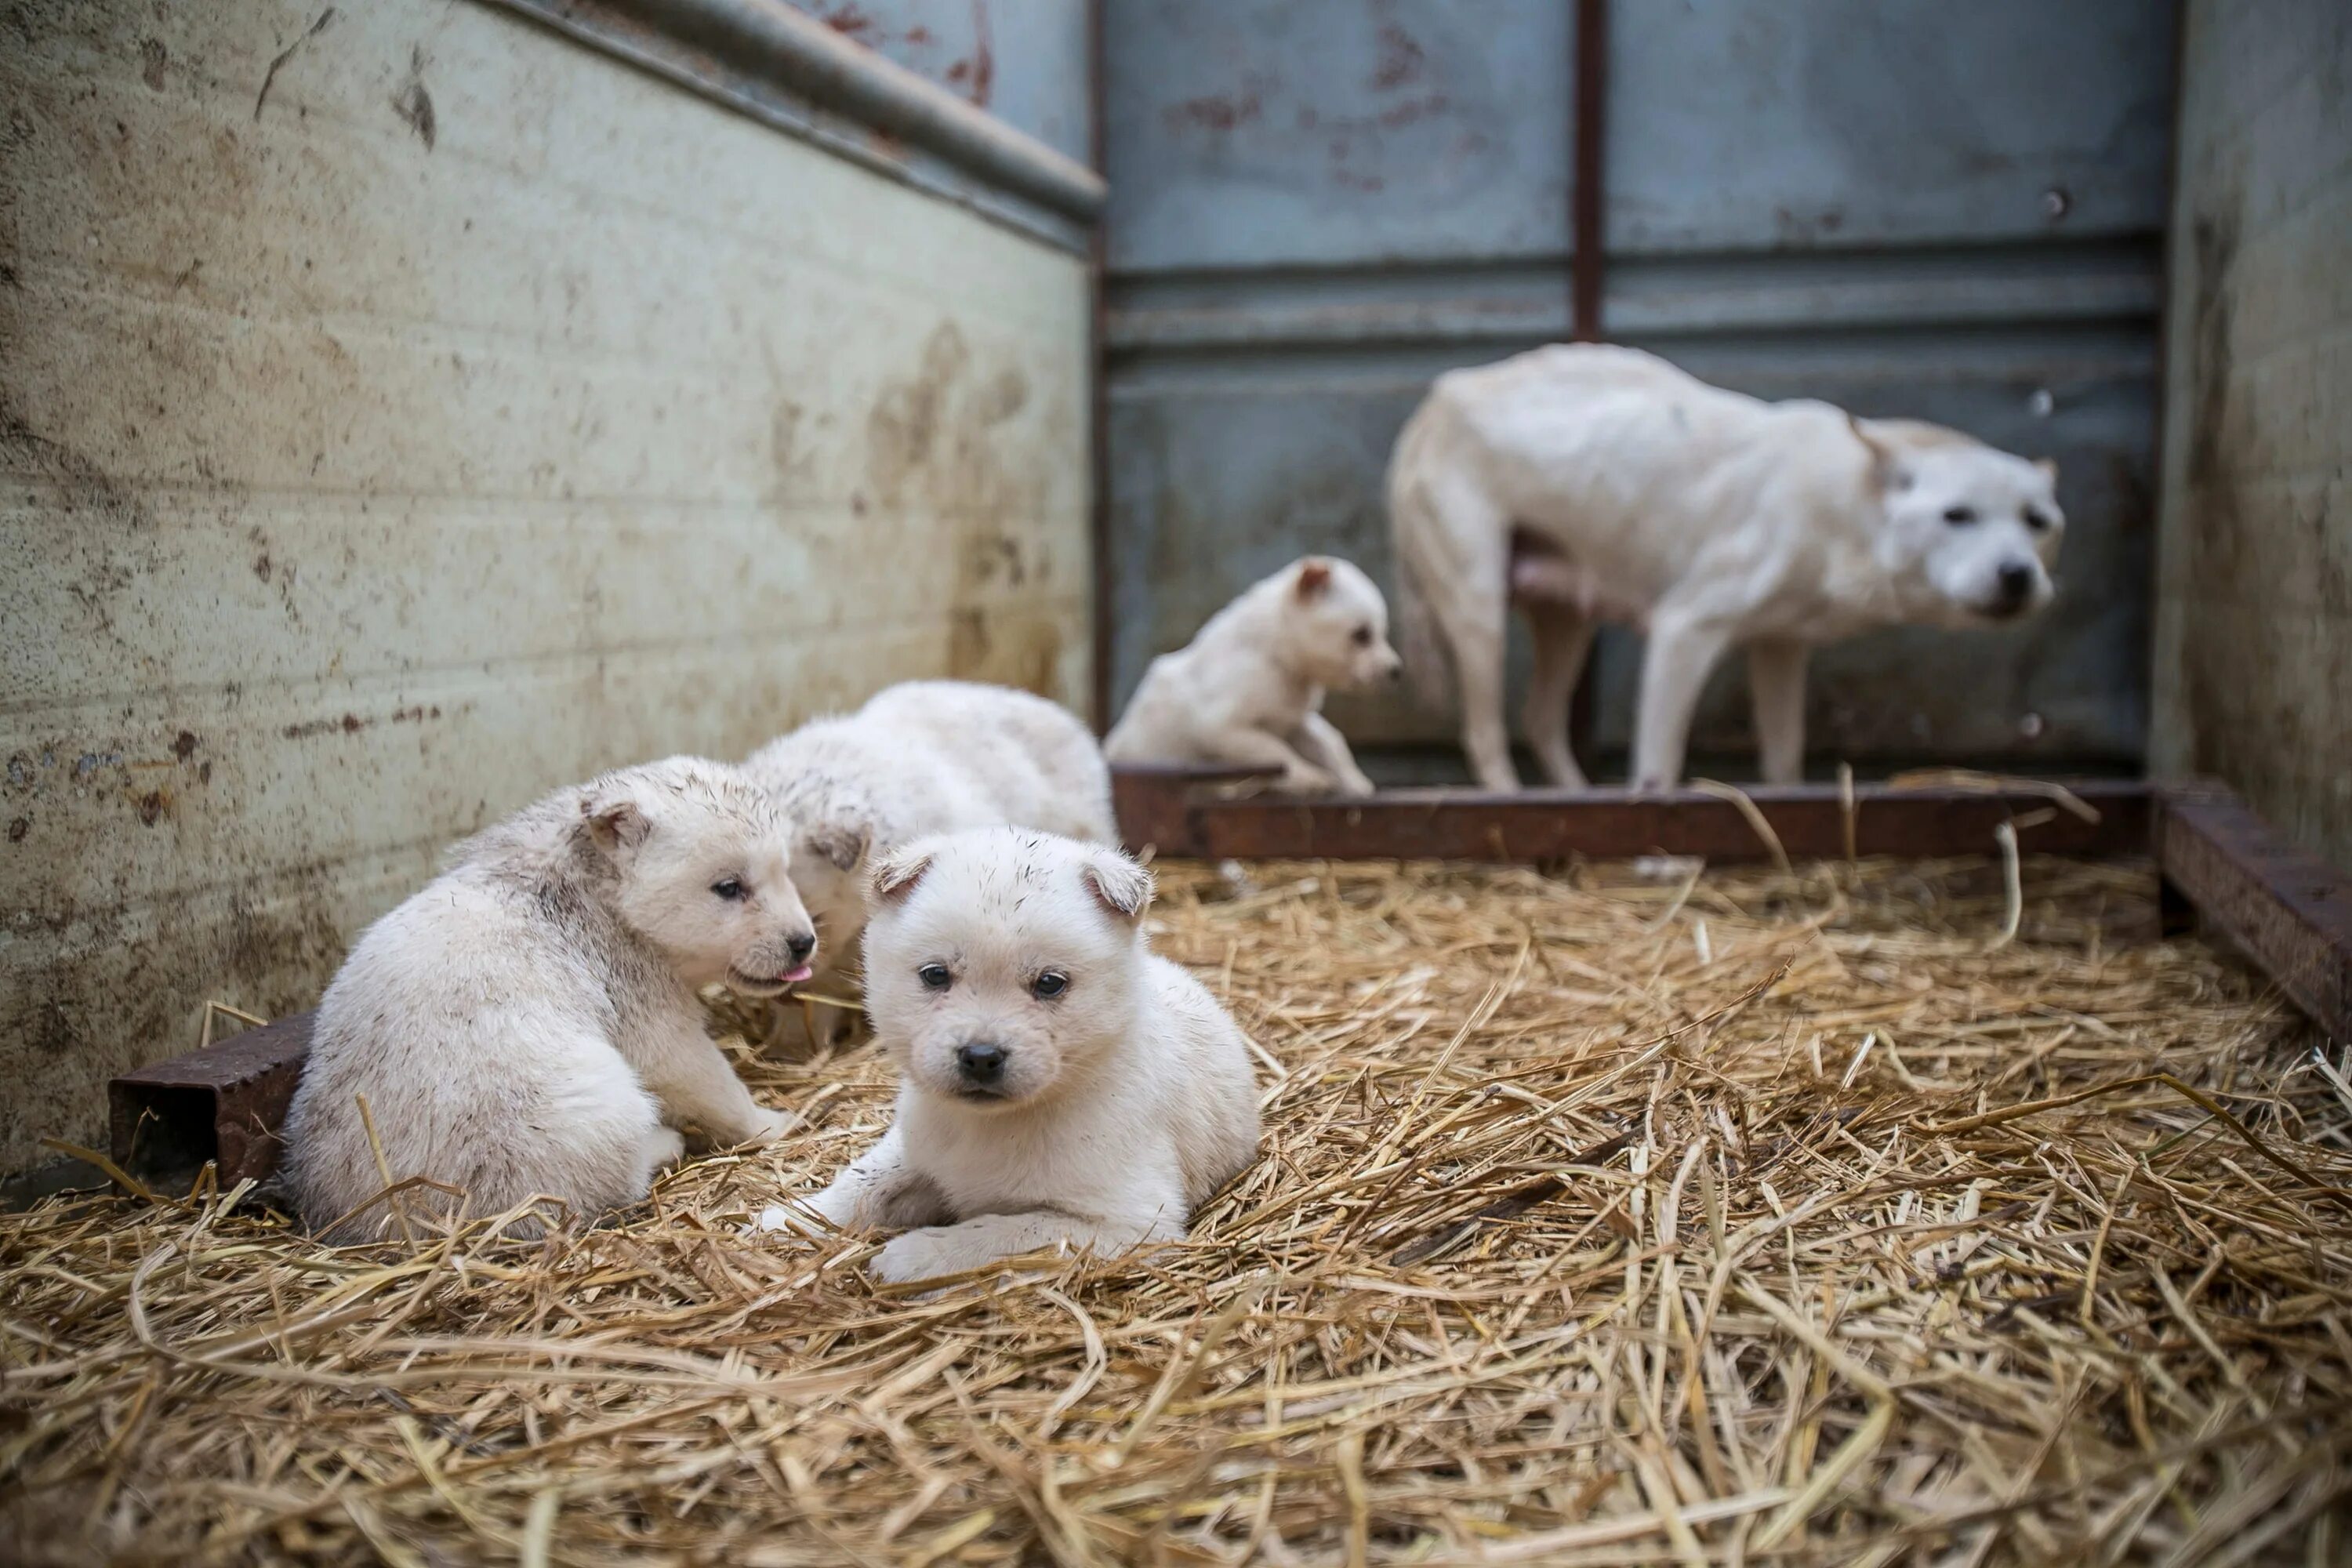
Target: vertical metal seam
{"x": 1589, "y": 120}
{"x": 2167, "y": 262}
{"x": 1097, "y": 391}
{"x": 1589, "y": 109}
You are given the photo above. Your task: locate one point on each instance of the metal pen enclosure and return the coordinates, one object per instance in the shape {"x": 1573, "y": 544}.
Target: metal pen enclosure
{"x": 1950, "y": 213}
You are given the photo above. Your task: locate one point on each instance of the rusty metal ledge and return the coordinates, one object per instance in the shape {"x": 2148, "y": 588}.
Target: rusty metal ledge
{"x": 1200, "y": 817}
{"x": 790, "y": 70}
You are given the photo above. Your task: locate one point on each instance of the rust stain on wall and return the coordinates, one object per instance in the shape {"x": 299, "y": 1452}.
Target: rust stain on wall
{"x": 949, "y": 445}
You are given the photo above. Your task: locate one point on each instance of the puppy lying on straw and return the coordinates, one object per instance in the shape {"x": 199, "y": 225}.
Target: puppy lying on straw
{"x": 529, "y": 1023}
{"x": 923, "y": 757}
{"x": 1248, "y": 690}
{"x": 1061, "y": 1085}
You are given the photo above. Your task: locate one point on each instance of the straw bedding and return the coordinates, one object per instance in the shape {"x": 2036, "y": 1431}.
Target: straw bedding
{"x": 1871, "y": 1214}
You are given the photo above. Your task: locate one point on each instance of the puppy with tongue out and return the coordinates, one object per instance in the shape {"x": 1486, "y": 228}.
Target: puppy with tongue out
{"x": 1061, "y": 1087}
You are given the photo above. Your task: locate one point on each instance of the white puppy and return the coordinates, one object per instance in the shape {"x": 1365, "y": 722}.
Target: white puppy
{"x": 923, "y": 757}
{"x": 1059, "y": 1083}
{"x": 529, "y": 1023}
{"x": 1248, "y": 690}
{"x": 1596, "y": 484}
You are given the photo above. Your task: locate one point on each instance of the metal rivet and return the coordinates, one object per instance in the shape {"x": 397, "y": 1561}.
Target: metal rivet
{"x": 2056, "y": 202}
{"x": 2030, "y": 726}
{"x": 2042, "y": 404}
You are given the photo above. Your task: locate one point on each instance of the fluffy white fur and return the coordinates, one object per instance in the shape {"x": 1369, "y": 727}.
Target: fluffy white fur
{"x": 1597, "y": 484}
{"x": 529, "y": 1023}
{"x": 920, "y": 758}
{"x": 1098, "y": 1116}
{"x": 1248, "y": 690}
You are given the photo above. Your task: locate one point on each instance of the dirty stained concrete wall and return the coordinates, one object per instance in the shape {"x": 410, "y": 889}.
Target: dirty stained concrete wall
{"x": 2253, "y": 641}
{"x": 403, "y": 411}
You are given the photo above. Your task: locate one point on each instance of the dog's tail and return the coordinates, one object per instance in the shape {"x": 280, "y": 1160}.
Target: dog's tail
{"x": 1412, "y": 518}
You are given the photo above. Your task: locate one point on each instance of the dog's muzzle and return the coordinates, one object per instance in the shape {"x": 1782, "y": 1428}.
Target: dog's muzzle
{"x": 750, "y": 984}
{"x": 979, "y": 1069}
{"x": 2012, "y": 593}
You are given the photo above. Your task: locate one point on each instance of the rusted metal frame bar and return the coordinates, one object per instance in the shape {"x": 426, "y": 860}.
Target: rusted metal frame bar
{"x": 1588, "y": 257}
{"x": 2290, "y": 913}
{"x": 1099, "y": 386}
{"x": 224, "y": 1104}
{"x": 1185, "y": 817}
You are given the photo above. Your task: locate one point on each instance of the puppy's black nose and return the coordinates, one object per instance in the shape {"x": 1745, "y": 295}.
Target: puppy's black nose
{"x": 800, "y": 944}
{"x": 2015, "y": 586}
{"x": 980, "y": 1062}
{"x": 1396, "y": 669}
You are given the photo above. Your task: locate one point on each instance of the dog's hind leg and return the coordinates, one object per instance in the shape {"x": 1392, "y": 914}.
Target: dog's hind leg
{"x": 1562, "y": 639}
{"x": 1466, "y": 574}
{"x": 1776, "y": 687}
{"x": 1683, "y": 649}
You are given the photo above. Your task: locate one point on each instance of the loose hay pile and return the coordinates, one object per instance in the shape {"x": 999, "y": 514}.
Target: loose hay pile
{"x": 1600, "y": 1221}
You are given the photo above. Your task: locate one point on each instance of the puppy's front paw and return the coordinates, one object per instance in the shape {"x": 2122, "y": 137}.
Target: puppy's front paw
{"x": 788, "y": 1219}
{"x": 1305, "y": 778}
{"x": 1354, "y": 784}
{"x": 665, "y": 1147}
{"x": 927, "y": 1254}
{"x": 767, "y": 1127}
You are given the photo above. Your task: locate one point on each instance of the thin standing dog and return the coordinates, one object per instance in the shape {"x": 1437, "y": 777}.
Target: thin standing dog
{"x": 1596, "y": 484}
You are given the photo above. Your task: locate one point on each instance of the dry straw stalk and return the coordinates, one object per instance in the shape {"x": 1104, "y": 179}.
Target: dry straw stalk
{"x": 1762, "y": 1218}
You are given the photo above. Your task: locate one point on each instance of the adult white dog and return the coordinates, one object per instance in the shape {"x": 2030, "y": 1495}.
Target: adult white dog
{"x": 1059, "y": 1083}
{"x": 1588, "y": 483}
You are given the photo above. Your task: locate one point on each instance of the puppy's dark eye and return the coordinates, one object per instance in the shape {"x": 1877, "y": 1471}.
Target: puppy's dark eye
{"x": 728, "y": 888}
{"x": 1960, "y": 516}
{"x": 2038, "y": 520}
{"x": 1049, "y": 984}
{"x": 935, "y": 977}
{"x": 1361, "y": 636}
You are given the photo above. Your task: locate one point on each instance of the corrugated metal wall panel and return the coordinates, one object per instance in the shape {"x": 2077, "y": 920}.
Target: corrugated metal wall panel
{"x": 406, "y": 416}
{"x": 1905, "y": 207}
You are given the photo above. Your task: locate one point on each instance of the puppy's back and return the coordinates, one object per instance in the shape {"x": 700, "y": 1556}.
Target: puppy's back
{"x": 476, "y": 1026}
{"x": 1023, "y": 760}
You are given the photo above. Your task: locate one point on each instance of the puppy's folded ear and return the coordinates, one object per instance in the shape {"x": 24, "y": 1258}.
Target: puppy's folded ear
{"x": 894, "y": 875}
{"x": 1314, "y": 578}
{"x": 2049, "y": 467}
{"x": 842, "y": 844}
{"x": 1118, "y": 884}
{"x": 613, "y": 820}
